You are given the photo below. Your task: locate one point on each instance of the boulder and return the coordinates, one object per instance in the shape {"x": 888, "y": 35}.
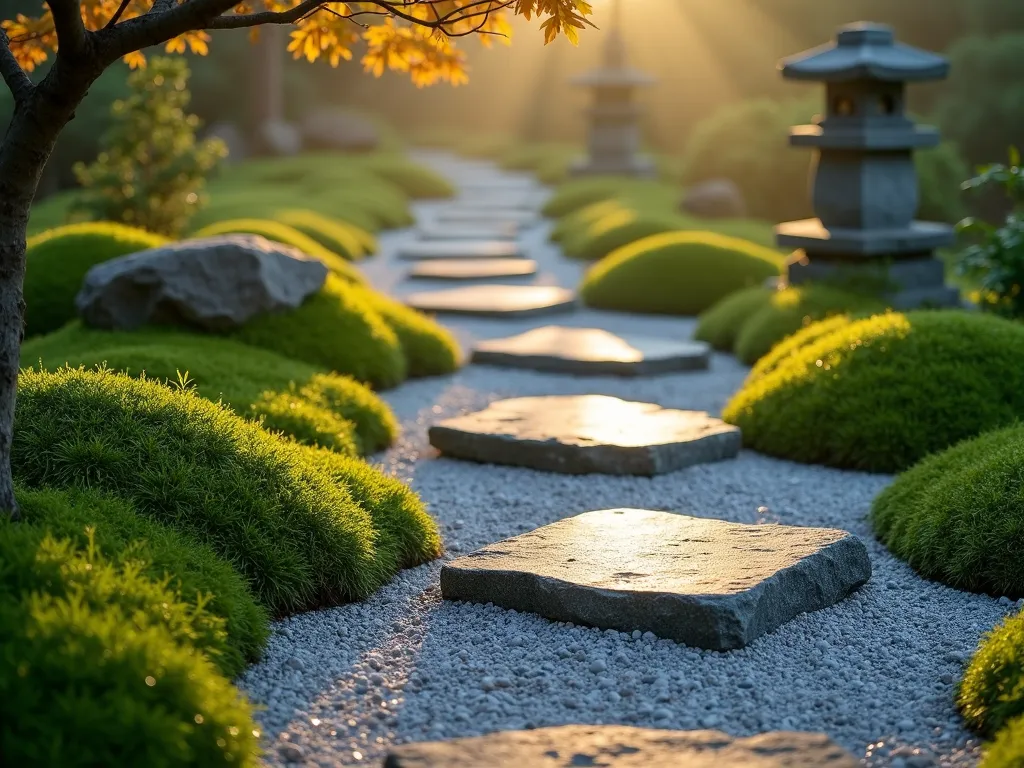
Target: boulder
{"x": 338, "y": 129}
{"x": 714, "y": 199}
{"x": 213, "y": 284}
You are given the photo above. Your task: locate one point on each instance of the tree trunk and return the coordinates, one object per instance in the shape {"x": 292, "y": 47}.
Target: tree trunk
{"x": 27, "y": 145}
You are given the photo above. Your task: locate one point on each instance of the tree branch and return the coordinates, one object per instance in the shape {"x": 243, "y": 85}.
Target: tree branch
{"x": 240, "y": 21}
{"x": 67, "y": 21}
{"x": 21, "y": 87}
{"x": 118, "y": 13}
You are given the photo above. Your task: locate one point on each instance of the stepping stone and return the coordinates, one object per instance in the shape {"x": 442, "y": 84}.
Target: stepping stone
{"x": 469, "y": 232}
{"x": 495, "y": 300}
{"x": 581, "y": 434}
{"x": 499, "y": 202}
{"x": 473, "y": 269}
{"x": 707, "y": 583}
{"x": 463, "y": 215}
{"x": 622, "y": 746}
{"x": 460, "y": 249}
{"x": 593, "y": 352}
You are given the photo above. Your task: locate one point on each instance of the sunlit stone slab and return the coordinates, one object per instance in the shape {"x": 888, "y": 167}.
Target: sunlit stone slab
{"x": 621, "y": 746}
{"x": 462, "y": 215}
{"x": 580, "y": 434}
{"x": 498, "y": 202}
{"x": 460, "y": 249}
{"x": 703, "y": 582}
{"x": 592, "y": 351}
{"x": 507, "y": 231}
{"x": 495, "y": 300}
{"x": 473, "y": 269}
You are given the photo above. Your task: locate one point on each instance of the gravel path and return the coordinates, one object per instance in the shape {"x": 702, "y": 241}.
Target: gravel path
{"x": 876, "y": 672}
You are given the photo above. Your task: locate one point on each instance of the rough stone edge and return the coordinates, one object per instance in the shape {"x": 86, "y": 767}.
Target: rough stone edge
{"x": 556, "y": 364}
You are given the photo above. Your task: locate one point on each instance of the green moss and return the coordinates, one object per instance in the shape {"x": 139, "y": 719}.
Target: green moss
{"x": 345, "y": 239}
{"x": 880, "y": 394}
{"x": 336, "y": 329}
{"x": 429, "y": 348}
{"x": 791, "y": 344}
{"x": 789, "y": 310}
{"x": 579, "y": 193}
{"x": 296, "y": 535}
{"x": 1007, "y": 751}
{"x": 265, "y": 202}
{"x": 188, "y": 566}
{"x": 567, "y": 226}
{"x": 991, "y": 693}
{"x": 279, "y": 232}
{"x": 415, "y": 180}
{"x": 677, "y": 273}
{"x": 611, "y": 232}
{"x": 99, "y": 664}
{"x": 304, "y": 401}
{"x": 58, "y": 259}
{"x": 721, "y": 323}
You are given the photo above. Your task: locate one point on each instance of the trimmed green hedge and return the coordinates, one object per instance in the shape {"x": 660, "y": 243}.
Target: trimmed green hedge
{"x": 58, "y": 259}
{"x": 343, "y": 238}
{"x": 880, "y": 394}
{"x": 429, "y": 348}
{"x": 279, "y": 232}
{"x": 677, "y": 273}
{"x": 991, "y": 693}
{"x": 301, "y": 400}
{"x": 720, "y": 324}
{"x": 99, "y": 663}
{"x": 293, "y": 531}
{"x": 337, "y": 329}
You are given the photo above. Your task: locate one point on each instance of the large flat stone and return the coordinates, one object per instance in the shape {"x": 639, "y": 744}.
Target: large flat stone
{"x": 460, "y": 249}
{"x": 592, "y": 352}
{"x": 495, "y": 300}
{"x": 706, "y": 583}
{"x": 460, "y": 215}
{"x": 620, "y": 746}
{"x": 499, "y": 201}
{"x": 473, "y": 269}
{"x": 582, "y": 434}
{"x": 507, "y": 231}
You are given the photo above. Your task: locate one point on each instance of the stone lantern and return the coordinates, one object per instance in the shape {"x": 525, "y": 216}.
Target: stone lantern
{"x": 864, "y": 184}
{"x": 613, "y": 145}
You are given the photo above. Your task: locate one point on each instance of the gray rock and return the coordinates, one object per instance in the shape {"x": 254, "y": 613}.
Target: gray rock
{"x": 332, "y": 128}
{"x": 460, "y": 249}
{"x": 714, "y": 199}
{"x": 707, "y": 583}
{"x": 462, "y": 215}
{"x": 473, "y": 269}
{"x": 581, "y": 434}
{"x": 277, "y": 137}
{"x": 592, "y": 352}
{"x": 617, "y": 746}
{"x": 214, "y": 284}
{"x": 495, "y": 300}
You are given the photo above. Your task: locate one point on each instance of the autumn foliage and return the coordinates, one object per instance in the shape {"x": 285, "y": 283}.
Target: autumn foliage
{"x": 413, "y": 36}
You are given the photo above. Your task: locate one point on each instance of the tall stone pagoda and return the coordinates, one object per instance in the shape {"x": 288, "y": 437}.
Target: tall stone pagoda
{"x": 613, "y": 144}
{"x": 864, "y": 184}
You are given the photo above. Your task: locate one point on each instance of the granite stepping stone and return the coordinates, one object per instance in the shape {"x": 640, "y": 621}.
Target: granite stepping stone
{"x": 473, "y": 269}
{"x": 707, "y": 583}
{"x": 621, "y": 746}
{"x": 582, "y": 434}
{"x": 462, "y": 215}
{"x": 460, "y": 249}
{"x": 592, "y": 352}
{"x": 508, "y": 231}
{"x": 495, "y": 300}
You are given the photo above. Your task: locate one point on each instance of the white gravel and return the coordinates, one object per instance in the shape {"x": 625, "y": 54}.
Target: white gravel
{"x": 875, "y": 672}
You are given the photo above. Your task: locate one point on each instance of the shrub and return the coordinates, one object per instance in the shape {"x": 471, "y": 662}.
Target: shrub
{"x": 301, "y": 400}
{"x": 286, "y": 235}
{"x": 1007, "y": 751}
{"x": 677, "y": 273}
{"x": 721, "y": 323}
{"x": 295, "y": 534}
{"x": 99, "y": 665}
{"x": 341, "y": 237}
{"x": 189, "y": 567}
{"x": 940, "y": 172}
{"x": 610, "y": 232}
{"x": 428, "y": 347}
{"x": 415, "y": 180}
{"x": 880, "y": 394}
{"x": 58, "y": 259}
{"x": 151, "y": 172}
{"x": 991, "y": 693}
{"x": 789, "y": 310}
{"x": 336, "y": 329}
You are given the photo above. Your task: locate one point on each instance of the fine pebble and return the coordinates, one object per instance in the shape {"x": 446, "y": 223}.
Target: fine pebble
{"x": 875, "y": 672}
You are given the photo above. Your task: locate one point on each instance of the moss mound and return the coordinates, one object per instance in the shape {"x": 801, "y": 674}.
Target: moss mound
{"x": 296, "y": 534}
{"x": 677, "y": 273}
{"x": 345, "y": 239}
{"x": 991, "y": 693}
{"x": 721, "y": 323}
{"x": 568, "y": 226}
{"x": 789, "y": 310}
{"x": 286, "y": 235}
{"x": 428, "y": 347}
{"x": 879, "y": 394}
{"x": 579, "y": 193}
{"x": 1007, "y": 751}
{"x": 99, "y": 664}
{"x": 265, "y": 202}
{"x": 191, "y": 568}
{"x": 304, "y": 401}
{"x": 415, "y": 180}
{"x": 615, "y": 230}
{"x": 336, "y": 329}
{"x": 56, "y": 263}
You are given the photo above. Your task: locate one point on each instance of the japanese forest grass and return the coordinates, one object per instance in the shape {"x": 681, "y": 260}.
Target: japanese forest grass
{"x": 295, "y": 531}
{"x": 306, "y": 402}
